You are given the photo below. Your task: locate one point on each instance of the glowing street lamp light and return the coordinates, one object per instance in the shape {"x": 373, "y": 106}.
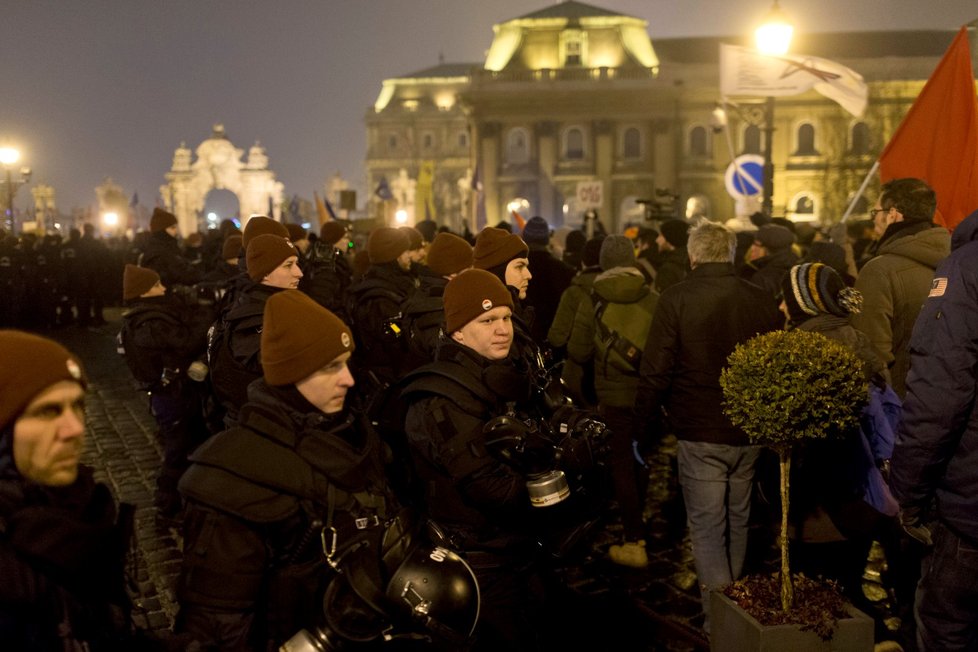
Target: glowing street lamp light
{"x": 401, "y": 216}
{"x": 773, "y": 37}
{"x": 8, "y": 157}
{"x": 110, "y": 220}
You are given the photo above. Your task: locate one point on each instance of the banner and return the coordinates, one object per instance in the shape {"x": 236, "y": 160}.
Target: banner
{"x": 748, "y": 72}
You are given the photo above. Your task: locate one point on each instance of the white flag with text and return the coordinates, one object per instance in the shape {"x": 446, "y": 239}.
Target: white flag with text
{"x": 748, "y": 72}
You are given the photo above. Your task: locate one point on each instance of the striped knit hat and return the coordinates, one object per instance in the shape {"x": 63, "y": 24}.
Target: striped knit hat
{"x": 813, "y": 289}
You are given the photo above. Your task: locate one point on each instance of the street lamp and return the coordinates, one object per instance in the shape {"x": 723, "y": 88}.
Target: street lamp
{"x": 8, "y": 157}
{"x": 772, "y": 37}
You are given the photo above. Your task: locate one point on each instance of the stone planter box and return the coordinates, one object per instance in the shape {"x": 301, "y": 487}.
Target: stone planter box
{"x": 734, "y": 630}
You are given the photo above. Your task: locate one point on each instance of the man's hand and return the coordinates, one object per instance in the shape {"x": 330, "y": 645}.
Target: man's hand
{"x": 910, "y": 521}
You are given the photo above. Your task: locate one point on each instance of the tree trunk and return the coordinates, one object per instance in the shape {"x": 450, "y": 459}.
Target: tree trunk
{"x": 787, "y": 592}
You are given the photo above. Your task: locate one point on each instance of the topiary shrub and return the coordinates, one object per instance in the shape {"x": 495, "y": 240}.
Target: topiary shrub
{"x": 787, "y": 386}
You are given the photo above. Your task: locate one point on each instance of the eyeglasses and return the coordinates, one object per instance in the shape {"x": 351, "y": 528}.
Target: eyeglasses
{"x": 874, "y": 211}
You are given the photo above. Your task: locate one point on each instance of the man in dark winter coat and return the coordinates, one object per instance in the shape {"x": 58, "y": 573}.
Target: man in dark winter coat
{"x": 550, "y": 278}
{"x": 163, "y": 255}
{"x": 300, "y": 466}
{"x": 63, "y": 543}
{"x": 697, "y": 324}
{"x": 163, "y": 335}
{"x": 934, "y": 470}
{"x": 374, "y": 304}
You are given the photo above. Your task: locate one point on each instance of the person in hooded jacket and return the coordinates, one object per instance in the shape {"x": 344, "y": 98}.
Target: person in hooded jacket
{"x": 622, "y": 285}
{"x": 895, "y": 283}
{"x": 261, "y": 495}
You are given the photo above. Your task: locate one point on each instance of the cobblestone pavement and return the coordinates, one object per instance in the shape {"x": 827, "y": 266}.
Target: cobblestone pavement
{"x": 658, "y": 607}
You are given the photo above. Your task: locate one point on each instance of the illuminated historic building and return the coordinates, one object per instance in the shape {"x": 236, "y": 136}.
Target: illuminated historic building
{"x": 574, "y": 93}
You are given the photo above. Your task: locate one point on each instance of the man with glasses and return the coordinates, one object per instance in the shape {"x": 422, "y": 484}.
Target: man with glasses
{"x": 896, "y": 281}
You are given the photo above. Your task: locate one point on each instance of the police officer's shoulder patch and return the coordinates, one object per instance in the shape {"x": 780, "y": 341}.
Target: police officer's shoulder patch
{"x": 938, "y": 286}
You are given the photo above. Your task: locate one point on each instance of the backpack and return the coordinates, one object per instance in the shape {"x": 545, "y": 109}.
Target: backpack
{"x": 230, "y": 378}
{"x": 146, "y": 367}
{"x": 421, "y": 323}
{"x": 620, "y": 332}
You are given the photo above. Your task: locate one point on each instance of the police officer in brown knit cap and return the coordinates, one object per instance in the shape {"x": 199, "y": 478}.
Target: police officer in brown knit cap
{"x": 62, "y": 544}
{"x": 273, "y": 266}
{"x": 374, "y": 303}
{"x": 326, "y": 268}
{"x": 480, "y": 501}
{"x": 163, "y": 336}
{"x": 422, "y": 314}
{"x": 299, "y": 462}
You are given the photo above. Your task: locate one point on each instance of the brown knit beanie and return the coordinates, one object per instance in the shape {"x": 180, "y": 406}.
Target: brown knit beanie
{"x": 258, "y": 225}
{"x": 494, "y": 247}
{"x": 161, "y": 220}
{"x": 296, "y": 232}
{"x": 29, "y": 364}
{"x": 299, "y": 337}
{"x": 137, "y": 281}
{"x": 415, "y": 239}
{"x": 470, "y": 294}
{"x": 449, "y": 254}
{"x": 232, "y": 247}
{"x": 331, "y": 232}
{"x": 385, "y": 244}
{"x": 265, "y": 253}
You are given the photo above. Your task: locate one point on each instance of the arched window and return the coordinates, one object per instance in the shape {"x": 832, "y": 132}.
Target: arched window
{"x": 463, "y": 139}
{"x": 699, "y": 144}
{"x": 631, "y": 145}
{"x": 804, "y": 205}
{"x": 752, "y": 139}
{"x": 392, "y": 142}
{"x": 427, "y": 141}
{"x": 574, "y": 144}
{"x": 806, "y": 140}
{"x": 859, "y": 139}
{"x": 517, "y": 146}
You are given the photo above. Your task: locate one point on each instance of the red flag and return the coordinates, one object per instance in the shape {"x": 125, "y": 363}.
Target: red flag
{"x": 938, "y": 139}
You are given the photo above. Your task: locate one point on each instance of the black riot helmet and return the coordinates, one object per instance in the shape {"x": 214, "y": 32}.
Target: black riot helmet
{"x": 435, "y": 587}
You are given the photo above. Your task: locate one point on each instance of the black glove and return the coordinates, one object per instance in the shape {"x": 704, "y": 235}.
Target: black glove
{"x": 913, "y": 525}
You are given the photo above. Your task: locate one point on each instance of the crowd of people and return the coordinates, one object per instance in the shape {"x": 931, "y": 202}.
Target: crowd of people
{"x": 398, "y": 443}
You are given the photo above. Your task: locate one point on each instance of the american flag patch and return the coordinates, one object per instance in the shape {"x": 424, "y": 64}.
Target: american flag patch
{"x": 937, "y": 287}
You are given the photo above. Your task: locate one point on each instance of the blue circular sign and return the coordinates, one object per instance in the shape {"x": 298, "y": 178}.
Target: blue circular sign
{"x": 745, "y": 176}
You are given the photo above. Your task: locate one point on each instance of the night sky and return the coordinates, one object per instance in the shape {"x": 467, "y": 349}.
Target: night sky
{"x": 109, "y": 88}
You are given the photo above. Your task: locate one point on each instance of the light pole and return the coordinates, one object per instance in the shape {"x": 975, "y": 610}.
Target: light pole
{"x": 772, "y": 37}
{"x": 8, "y": 157}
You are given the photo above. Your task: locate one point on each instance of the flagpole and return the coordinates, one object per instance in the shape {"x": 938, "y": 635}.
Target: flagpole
{"x": 859, "y": 193}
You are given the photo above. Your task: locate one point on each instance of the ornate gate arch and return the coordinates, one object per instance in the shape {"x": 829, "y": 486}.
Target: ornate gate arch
{"x": 219, "y": 166}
